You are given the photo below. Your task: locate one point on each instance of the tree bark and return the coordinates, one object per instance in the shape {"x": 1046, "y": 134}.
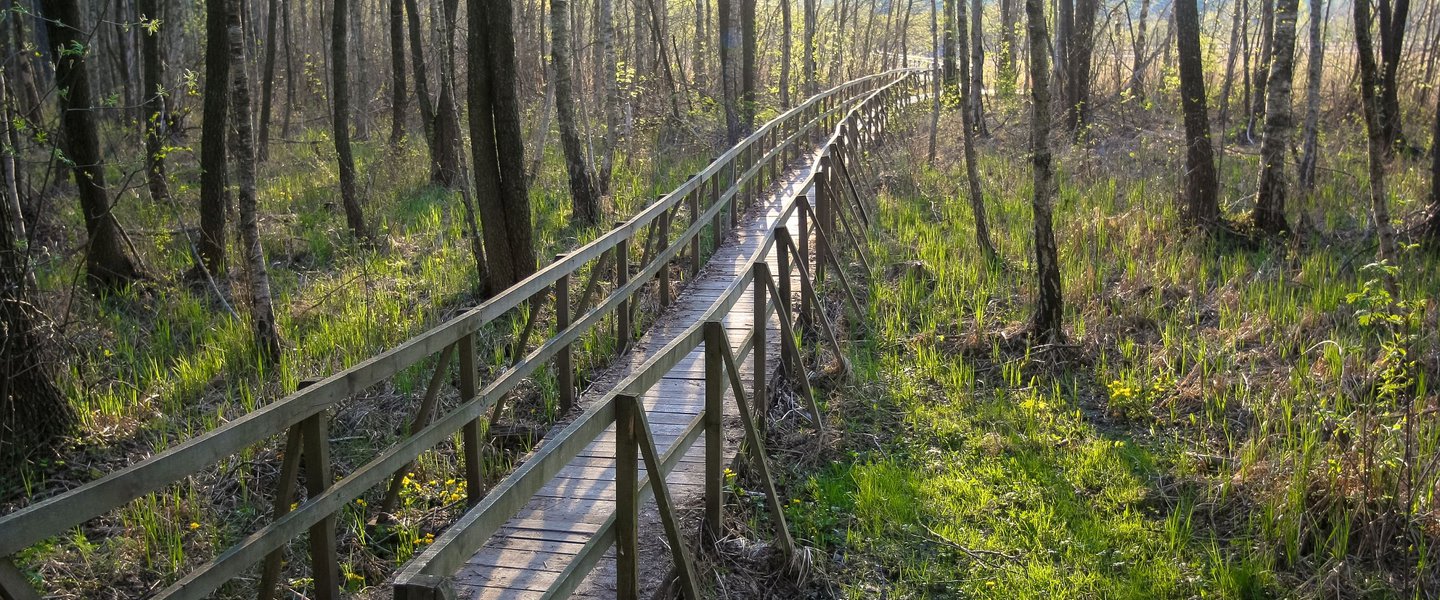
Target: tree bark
{"x": 1049, "y": 300}
{"x": 153, "y": 91}
{"x": 608, "y": 80}
{"x": 785, "y": 54}
{"x": 1273, "y": 187}
{"x": 1137, "y": 73}
{"x": 422, "y": 83}
{"x": 242, "y": 148}
{"x": 1375, "y": 130}
{"x": 972, "y": 176}
{"x": 935, "y": 83}
{"x": 1007, "y": 74}
{"x": 214, "y": 196}
{"x": 340, "y": 119}
{"x": 1201, "y": 200}
{"x": 34, "y": 413}
{"x": 811, "y": 86}
{"x": 496, "y": 142}
{"x": 949, "y": 70}
{"x": 747, "y": 64}
{"x": 1431, "y": 229}
{"x": 977, "y": 70}
{"x": 267, "y": 90}
{"x": 446, "y": 150}
{"x": 108, "y": 264}
{"x": 399, "y": 103}
{"x": 1258, "y": 105}
{"x": 583, "y": 195}
{"x": 1315, "y": 71}
{"x": 1393, "y": 19}
{"x": 1077, "y": 78}
{"x": 730, "y": 67}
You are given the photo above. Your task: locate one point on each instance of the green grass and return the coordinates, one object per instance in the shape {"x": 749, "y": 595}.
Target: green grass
{"x": 1222, "y": 423}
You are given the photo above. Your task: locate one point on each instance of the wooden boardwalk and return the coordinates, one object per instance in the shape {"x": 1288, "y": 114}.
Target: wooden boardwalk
{"x": 539, "y": 542}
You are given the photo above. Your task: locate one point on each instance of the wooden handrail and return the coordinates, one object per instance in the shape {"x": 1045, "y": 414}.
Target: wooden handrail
{"x": 25, "y": 527}
{"x": 463, "y": 538}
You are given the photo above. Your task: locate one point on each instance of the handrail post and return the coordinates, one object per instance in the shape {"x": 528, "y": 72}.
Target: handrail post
{"x": 622, "y": 277}
{"x": 564, "y": 364}
{"x": 803, "y": 251}
{"x": 822, "y": 211}
{"x": 714, "y": 427}
{"x": 470, "y": 434}
{"x": 662, "y": 245}
{"x": 627, "y": 478}
{"x": 762, "y": 397}
{"x": 693, "y": 200}
{"x": 782, "y": 303}
{"x": 716, "y": 234}
{"x": 324, "y": 561}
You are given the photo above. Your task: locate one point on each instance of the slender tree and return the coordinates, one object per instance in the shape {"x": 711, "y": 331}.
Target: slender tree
{"x": 747, "y": 64}
{"x": 811, "y": 86}
{"x": 497, "y": 145}
{"x": 583, "y": 195}
{"x": 976, "y": 104}
{"x": 107, "y": 262}
{"x": 1372, "y": 103}
{"x": 730, "y": 66}
{"x": 446, "y": 149}
{"x": 214, "y": 196}
{"x": 422, "y": 81}
{"x": 1080, "y": 49}
{"x": 1137, "y": 73}
{"x": 1006, "y": 73}
{"x": 340, "y": 119}
{"x": 1431, "y": 228}
{"x": 785, "y": 29}
{"x": 399, "y": 101}
{"x": 267, "y": 81}
{"x": 1270, "y": 200}
{"x": 242, "y": 148}
{"x": 950, "y": 70}
{"x": 1394, "y": 15}
{"x": 935, "y": 84}
{"x": 608, "y": 80}
{"x": 972, "y": 176}
{"x": 1201, "y": 202}
{"x": 1258, "y": 106}
{"x": 34, "y": 413}
{"x": 1049, "y": 301}
{"x": 154, "y": 100}
{"x": 1314, "y": 71}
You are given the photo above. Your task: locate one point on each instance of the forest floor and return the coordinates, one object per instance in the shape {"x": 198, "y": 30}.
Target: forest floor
{"x": 1227, "y": 419}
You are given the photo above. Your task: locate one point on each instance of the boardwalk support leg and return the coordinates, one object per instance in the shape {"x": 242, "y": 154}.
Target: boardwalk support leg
{"x": 655, "y": 470}
{"x": 714, "y": 432}
{"x": 564, "y": 363}
{"x": 627, "y": 477}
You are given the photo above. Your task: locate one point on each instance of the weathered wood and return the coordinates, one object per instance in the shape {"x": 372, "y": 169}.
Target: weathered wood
{"x": 627, "y": 510}
{"x": 422, "y": 418}
{"x": 324, "y": 561}
{"x": 564, "y": 366}
{"x": 671, "y": 522}
{"x": 284, "y": 495}
{"x": 13, "y": 584}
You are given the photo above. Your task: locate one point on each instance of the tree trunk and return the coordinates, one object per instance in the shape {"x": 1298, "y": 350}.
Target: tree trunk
{"x": 34, "y": 413}
{"x": 28, "y": 92}
{"x": 242, "y": 148}
{"x": 1077, "y": 78}
{"x": 214, "y": 196}
{"x": 785, "y": 54}
{"x": 935, "y": 83}
{"x": 107, "y": 262}
{"x": 977, "y": 70}
{"x": 1315, "y": 71}
{"x": 398, "y": 100}
{"x": 422, "y": 83}
{"x": 1270, "y": 200}
{"x": 1236, "y": 40}
{"x": 950, "y": 71}
{"x": 747, "y": 64}
{"x": 811, "y": 86}
{"x": 608, "y": 80}
{"x": 268, "y": 79}
{"x": 1006, "y": 73}
{"x": 360, "y": 92}
{"x": 972, "y": 175}
{"x": 289, "y": 73}
{"x": 1049, "y": 301}
{"x": 1137, "y": 73}
{"x": 1375, "y": 130}
{"x": 1201, "y": 202}
{"x": 496, "y": 142}
{"x": 730, "y": 68}
{"x": 585, "y": 199}
{"x": 697, "y": 48}
{"x": 1431, "y": 229}
{"x": 153, "y": 91}
{"x": 1392, "y": 36}
{"x": 1258, "y": 105}
{"x": 1064, "y": 37}
{"x": 340, "y": 119}
{"x": 445, "y": 152}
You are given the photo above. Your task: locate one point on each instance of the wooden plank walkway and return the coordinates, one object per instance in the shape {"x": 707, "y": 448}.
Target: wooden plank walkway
{"x": 537, "y": 543}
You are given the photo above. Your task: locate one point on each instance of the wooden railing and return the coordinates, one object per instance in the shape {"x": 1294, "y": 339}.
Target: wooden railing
{"x": 839, "y": 209}
{"x": 701, "y": 204}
